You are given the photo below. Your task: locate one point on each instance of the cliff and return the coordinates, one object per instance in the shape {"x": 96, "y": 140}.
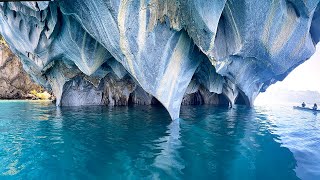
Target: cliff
{"x": 115, "y": 52}
{"x": 15, "y": 83}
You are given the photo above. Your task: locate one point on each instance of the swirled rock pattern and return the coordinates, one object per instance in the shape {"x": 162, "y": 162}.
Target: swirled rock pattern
{"x": 120, "y": 52}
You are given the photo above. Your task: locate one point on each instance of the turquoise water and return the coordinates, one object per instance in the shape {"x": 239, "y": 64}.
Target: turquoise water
{"x": 40, "y": 141}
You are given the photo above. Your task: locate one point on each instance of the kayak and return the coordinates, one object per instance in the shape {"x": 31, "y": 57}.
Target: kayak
{"x": 306, "y": 109}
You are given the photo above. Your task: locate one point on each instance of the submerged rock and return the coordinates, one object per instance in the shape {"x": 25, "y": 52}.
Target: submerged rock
{"x": 174, "y": 52}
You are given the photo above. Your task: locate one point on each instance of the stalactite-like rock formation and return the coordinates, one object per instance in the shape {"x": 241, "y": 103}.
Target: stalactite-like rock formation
{"x": 120, "y": 52}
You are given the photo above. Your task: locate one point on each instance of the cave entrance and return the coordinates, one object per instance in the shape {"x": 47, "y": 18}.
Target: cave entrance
{"x": 223, "y": 101}
{"x": 193, "y": 99}
{"x": 205, "y": 97}
{"x": 155, "y": 102}
{"x": 242, "y": 99}
{"x": 130, "y": 100}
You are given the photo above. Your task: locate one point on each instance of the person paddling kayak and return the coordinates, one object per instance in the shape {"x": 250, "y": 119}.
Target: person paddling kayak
{"x": 315, "y": 106}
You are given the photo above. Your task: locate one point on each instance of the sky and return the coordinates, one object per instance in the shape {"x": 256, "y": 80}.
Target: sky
{"x": 304, "y": 77}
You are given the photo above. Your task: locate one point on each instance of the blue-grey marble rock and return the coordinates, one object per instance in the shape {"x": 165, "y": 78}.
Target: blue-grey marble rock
{"x": 117, "y": 52}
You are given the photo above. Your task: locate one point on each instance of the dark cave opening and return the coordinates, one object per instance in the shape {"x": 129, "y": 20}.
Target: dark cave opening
{"x": 155, "y": 102}
{"x": 242, "y": 99}
{"x": 130, "y": 100}
{"x": 204, "y": 97}
{"x": 223, "y": 101}
{"x": 193, "y": 99}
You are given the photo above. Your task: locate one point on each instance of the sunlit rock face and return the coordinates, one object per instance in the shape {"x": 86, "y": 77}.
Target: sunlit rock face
{"x": 15, "y": 83}
{"x": 120, "y": 52}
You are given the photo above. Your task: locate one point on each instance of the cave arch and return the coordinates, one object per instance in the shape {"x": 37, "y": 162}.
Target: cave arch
{"x": 205, "y": 97}
{"x": 224, "y": 101}
{"x": 242, "y": 99}
{"x": 193, "y": 99}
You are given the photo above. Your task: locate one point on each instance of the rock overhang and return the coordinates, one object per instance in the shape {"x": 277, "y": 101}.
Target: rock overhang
{"x": 169, "y": 49}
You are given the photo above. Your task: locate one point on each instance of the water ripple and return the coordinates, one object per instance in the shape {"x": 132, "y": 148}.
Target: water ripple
{"x": 40, "y": 141}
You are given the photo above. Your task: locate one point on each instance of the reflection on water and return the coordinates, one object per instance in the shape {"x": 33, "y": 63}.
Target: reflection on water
{"x": 236, "y": 144}
{"x": 169, "y": 159}
{"x": 298, "y": 131}
{"x": 40, "y": 141}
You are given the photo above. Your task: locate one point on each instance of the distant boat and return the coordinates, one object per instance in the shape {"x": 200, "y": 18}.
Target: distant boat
{"x": 306, "y": 109}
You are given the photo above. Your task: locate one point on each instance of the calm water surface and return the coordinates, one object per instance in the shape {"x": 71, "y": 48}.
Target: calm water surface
{"x": 40, "y": 141}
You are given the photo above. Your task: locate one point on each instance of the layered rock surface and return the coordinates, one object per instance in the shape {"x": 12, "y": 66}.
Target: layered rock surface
{"x": 15, "y": 83}
{"x": 93, "y": 52}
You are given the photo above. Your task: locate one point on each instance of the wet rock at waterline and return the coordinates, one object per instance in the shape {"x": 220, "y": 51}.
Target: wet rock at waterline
{"x": 93, "y": 52}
